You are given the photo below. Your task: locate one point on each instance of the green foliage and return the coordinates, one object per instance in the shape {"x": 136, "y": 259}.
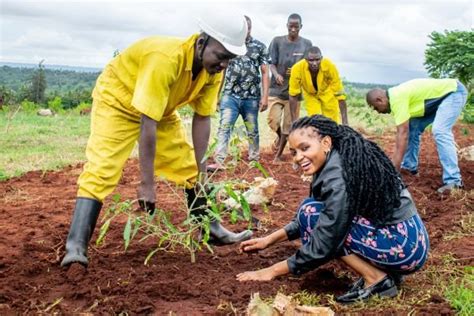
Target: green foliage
{"x": 3, "y": 175}
{"x": 460, "y": 293}
{"x": 158, "y": 226}
{"x": 451, "y": 54}
{"x": 56, "y": 105}
{"x": 29, "y": 107}
{"x": 31, "y": 142}
{"x": 6, "y": 95}
{"x": 38, "y": 85}
{"x": 73, "y": 87}
{"x": 468, "y": 112}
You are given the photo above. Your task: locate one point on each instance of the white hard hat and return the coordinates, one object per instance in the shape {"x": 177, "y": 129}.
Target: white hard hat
{"x": 229, "y": 30}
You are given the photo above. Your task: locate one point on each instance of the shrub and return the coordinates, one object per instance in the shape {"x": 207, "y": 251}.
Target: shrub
{"x": 29, "y": 107}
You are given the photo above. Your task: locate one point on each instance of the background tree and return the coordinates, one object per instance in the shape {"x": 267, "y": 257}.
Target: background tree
{"x": 451, "y": 54}
{"x": 38, "y": 85}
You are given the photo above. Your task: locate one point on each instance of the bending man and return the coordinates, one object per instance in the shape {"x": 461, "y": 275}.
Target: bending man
{"x": 136, "y": 98}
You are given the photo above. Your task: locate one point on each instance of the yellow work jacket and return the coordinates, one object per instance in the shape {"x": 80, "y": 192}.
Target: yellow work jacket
{"x": 154, "y": 77}
{"x": 330, "y": 88}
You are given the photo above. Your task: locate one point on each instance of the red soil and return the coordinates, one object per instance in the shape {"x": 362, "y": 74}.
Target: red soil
{"x": 36, "y": 210}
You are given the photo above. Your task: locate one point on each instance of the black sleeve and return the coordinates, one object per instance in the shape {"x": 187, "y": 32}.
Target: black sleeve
{"x": 329, "y": 234}
{"x": 292, "y": 229}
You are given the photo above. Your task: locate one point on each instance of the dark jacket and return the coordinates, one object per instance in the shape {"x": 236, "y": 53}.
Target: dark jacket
{"x": 327, "y": 240}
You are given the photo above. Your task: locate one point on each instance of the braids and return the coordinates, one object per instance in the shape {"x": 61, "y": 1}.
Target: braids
{"x": 373, "y": 184}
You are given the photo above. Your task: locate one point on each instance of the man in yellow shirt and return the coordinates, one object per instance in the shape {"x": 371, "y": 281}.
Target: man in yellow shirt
{"x": 318, "y": 80}
{"x": 135, "y": 99}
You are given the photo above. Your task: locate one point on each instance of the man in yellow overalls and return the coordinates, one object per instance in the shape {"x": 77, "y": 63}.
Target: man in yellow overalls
{"x": 318, "y": 80}
{"x": 135, "y": 99}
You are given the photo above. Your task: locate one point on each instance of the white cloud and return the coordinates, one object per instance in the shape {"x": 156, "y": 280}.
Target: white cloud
{"x": 370, "y": 41}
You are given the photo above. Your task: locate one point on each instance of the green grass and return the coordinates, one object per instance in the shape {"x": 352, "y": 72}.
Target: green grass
{"x": 460, "y": 293}
{"x": 31, "y": 142}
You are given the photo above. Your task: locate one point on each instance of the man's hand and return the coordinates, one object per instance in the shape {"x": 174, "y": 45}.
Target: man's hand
{"x": 263, "y": 105}
{"x": 146, "y": 197}
{"x": 253, "y": 244}
{"x": 279, "y": 79}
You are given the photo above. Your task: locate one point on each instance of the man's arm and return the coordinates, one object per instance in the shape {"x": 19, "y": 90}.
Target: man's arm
{"x": 265, "y": 87}
{"x": 200, "y": 133}
{"x": 278, "y": 78}
{"x": 401, "y": 144}
{"x": 294, "y": 108}
{"x": 146, "y": 153}
{"x": 343, "y": 109}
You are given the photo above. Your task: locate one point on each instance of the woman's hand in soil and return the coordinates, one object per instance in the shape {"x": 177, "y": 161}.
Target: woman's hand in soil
{"x": 259, "y": 275}
{"x": 253, "y": 244}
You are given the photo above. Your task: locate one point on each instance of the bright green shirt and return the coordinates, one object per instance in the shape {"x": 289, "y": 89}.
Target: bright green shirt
{"x": 418, "y": 97}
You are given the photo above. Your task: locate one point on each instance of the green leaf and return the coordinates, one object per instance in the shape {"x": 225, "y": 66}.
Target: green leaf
{"x": 231, "y": 193}
{"x": 151, "y": 254}
{"x": 233, "y": 216}
{"x": 116, "y": 198}
{"x": 103, "y": 231}
{"x": 257, "y": 165}
{"x": 127, "y": 232}
{"x": 247, "y": 212}
{"x": 136, "y": 226}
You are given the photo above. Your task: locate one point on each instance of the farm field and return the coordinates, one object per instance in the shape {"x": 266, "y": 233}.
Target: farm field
{"x": 36, "y": 210}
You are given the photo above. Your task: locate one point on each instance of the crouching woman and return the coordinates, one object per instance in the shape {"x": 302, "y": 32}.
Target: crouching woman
{"x": 358, "y": 211}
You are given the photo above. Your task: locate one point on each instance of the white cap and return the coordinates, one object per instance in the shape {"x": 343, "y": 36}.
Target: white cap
{"x": 229, "y": 30}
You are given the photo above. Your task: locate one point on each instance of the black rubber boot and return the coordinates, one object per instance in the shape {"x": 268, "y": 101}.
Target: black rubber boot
{"x": 83, "y": 223}
{"x": 219, "y": 235}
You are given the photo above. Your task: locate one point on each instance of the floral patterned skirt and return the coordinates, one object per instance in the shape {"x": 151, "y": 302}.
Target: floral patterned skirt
{"x": 401, "y": 247}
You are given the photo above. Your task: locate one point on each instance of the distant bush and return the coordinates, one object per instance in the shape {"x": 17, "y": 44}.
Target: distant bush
{"x": 29, "y": 107}
{"x": 56, "y": 105}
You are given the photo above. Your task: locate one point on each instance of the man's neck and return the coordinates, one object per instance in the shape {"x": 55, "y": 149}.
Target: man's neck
{"x": 197, "y": 63}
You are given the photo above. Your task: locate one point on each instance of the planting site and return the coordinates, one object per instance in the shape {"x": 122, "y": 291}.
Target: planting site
{"x": 36, "y": 211}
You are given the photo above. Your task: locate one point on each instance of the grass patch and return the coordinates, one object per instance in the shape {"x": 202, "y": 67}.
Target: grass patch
{"x": 460, "y": 293}
{"x": 31, "y": 142}
{"x": 466, "y": 228}
{"x": 448, "y": 280}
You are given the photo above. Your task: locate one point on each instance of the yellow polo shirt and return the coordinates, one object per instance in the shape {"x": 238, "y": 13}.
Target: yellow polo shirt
{"x": 154, "y": 77}
{"x": 330, "y": 88}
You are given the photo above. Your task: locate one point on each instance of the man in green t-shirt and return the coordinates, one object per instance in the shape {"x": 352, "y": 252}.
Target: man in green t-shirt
{"x": 415, "y": 104}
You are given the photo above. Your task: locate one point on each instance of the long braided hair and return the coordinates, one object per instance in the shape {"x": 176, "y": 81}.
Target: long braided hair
{"x": 373, "y": 184}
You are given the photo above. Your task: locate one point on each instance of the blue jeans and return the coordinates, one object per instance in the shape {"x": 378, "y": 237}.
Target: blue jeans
{"x": 230, "y": 109}
{"x": 443, "y": 120}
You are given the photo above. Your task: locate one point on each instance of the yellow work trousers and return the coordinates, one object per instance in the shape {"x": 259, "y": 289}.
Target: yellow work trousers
{"x": 329, "y": 109}
{"x": 114, "y": 132}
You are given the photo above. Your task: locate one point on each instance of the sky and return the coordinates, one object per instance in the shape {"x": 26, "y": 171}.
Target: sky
{"x": 371, "y": 41}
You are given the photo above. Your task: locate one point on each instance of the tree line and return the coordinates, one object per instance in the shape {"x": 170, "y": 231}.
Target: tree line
{"x": 449, "y": 54}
